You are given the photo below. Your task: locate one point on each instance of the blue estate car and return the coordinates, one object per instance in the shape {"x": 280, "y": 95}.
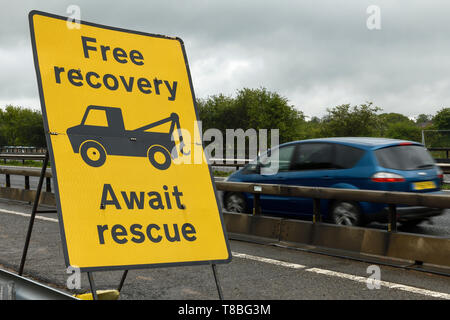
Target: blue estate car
{"x": 353, "y": 163}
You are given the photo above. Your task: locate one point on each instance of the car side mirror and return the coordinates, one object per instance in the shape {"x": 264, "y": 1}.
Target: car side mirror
{"x": 260, "y": 166}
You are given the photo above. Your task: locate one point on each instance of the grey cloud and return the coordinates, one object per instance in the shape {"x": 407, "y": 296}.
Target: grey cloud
{"x": 316, "y": 53}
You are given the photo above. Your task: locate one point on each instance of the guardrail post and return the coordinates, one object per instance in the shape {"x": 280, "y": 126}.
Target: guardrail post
{"x": 48, "y": 185}
{"x": 256, "y": 204}
{"x": 316, "y": 211}
{"x": 7, "y": 291}
{"x": 392, "y": 225}
{"x": 256, "y": 200}
{"x": 27, "y": 183}
{"x": 8, "y": 180}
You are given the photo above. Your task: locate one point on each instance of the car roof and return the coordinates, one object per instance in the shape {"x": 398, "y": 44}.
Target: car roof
{"x": 362, "y": 142}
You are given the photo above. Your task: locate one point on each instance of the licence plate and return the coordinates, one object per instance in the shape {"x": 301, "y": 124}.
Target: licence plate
{"x": 424, "y": 185}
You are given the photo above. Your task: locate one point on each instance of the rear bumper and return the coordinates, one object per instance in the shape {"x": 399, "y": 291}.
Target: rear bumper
{"x": 408, "y": 214}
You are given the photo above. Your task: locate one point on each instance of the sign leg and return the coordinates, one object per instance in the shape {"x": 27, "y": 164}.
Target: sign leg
{"x": 92, "y": 285}
{"x": 33, "y": 214}
{"x": 216, "y": 279}
{"x": 122, "y": 280}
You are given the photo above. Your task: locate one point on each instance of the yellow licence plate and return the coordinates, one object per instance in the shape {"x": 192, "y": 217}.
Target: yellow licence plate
{"x": 424, "y": 185}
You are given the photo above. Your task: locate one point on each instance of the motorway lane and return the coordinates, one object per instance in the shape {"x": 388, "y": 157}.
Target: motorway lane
{"x": 256, "y": 272}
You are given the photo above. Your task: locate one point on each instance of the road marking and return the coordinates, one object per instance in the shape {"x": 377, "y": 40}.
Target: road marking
{"x": 267, "y": 260}
{"x": 296, "y": 266}
{"x": 387, "y": 284}
{"x": 347, "y": 276}
{"x": 28, "y": 215}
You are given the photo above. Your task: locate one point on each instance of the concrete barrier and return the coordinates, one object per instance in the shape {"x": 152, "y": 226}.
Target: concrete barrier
{"x": 355, "y": 241}
{"x": 46, "y": 198}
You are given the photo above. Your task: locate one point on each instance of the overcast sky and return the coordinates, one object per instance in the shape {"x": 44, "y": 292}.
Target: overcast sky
{"x": 317, "y": 54}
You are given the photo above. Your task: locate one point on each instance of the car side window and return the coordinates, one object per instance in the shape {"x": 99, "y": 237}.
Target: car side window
{"x": 346, "y": 157}
{"x": 313, "y": 156}
{"x": 285, "y": 158}
{"x": 278, "y": 159}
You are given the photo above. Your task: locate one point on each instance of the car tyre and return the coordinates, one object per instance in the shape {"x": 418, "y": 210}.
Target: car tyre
{"x": 235, "y": 202}
{"x": 346, "y": 213}
{"x": 93, "y": 153}
{"x": 152, "y": 153}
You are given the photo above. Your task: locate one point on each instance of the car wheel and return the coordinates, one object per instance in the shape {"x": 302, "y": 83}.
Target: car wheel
{"x": 346, "y": 213}
{"x": 93, "y": 153}
{"x": 159, "y": 157}
{"x": 235, "y": 202}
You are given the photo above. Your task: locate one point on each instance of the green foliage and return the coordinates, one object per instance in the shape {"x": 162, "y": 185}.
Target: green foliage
{"x": 21, "y": 127}
{"x": 260, "y": 108}
{"x": 310, "y": 129}
{"x": 404, "y": 130}
{"x": 441, "y": 121}
{"x": 218, "y": 173}
{"x": 251, "y": 108}
{"x": 389, "y": 118}
{"x": 347, "y": 121}
{"x": 423, "y": 119}
{"x": 213, "y": 112}
{"x": 397, "y": 126}
{"x": 26, "y": 163}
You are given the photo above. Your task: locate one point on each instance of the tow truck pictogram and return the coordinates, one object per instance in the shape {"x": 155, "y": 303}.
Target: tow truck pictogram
{"x": 95, "y": 142}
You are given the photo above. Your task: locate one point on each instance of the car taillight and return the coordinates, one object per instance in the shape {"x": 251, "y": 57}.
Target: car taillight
{"x": 440, "y": 174}
{"x": 387, "y": 177}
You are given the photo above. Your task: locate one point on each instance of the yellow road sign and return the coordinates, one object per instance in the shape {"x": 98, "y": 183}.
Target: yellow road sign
{"x": 120, "y": 121}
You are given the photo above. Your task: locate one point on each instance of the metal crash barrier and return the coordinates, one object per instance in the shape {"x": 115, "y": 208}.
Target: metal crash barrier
{"x": 14, "y": 287}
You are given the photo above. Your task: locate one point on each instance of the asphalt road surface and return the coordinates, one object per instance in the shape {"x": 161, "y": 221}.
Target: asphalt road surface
{"x": 256, "y": 271}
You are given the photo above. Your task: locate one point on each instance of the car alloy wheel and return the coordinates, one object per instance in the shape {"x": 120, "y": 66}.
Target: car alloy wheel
{"x": 346, "y": 213}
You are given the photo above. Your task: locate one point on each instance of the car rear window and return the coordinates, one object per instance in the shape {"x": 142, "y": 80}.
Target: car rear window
{"x": 406, "y": 157}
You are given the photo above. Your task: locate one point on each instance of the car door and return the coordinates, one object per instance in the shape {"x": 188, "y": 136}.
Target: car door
{"x": 312, "y": 166}
{"x": 322, "y": 165}
{"x": 274, "y": 168}
{"x": 301, "y": 164}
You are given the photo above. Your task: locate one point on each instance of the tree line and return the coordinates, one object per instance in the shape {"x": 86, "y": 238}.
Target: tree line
{"x": 263, "y": 109}
{"x": 21, "y": 127}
